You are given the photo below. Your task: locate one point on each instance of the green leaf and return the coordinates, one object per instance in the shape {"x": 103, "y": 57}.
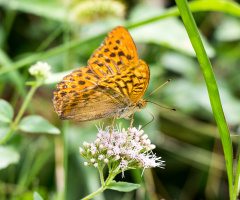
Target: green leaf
{"x": 8, "y": 155}
{"x": 123, "y": 186}
{"x": 37, "y": 124}
{"x": 37, "y": 196}
{"x": 4, "y": 129}
{"x": 180, "y": 64}
{"x": 57, "y": 77}
{"x": 44, "y": 8}
{"x": 6, "y": 111}
{"x": 228, "y": 30}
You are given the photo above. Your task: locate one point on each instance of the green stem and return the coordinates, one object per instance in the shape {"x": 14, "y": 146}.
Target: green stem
{"x": 212, "y": 88}
{"x": 65, "y": 157}
{"x": 109, "y": 179}
{"x": 101, "y": 189}
{"x": 25, "y": 104}
{"x": 20, "y": 113}
{"x": 104, "y": 184}
{"x": 101, "y": 175}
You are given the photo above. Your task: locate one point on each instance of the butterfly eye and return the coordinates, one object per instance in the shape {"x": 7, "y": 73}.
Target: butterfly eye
{"x": 140, "y": 104}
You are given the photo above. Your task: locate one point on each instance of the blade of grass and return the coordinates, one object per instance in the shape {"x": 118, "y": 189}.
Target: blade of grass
{"x": 50, "y": 39}
{"x": 214, "y": 97}
{"x": 197, "y": 6}
{"x": 5, "y": 62}
{"x": 236, "y": 182}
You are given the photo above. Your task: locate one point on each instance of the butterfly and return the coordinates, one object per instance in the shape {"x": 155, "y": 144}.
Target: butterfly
{"x": 112, "y": 85}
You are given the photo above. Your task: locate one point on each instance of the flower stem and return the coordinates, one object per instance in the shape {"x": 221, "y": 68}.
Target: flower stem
{"x": 104, "y": 184}
{"x": 25, "y": 104}
{"x": 101, "y": 175}
{"x": 101, "y": 189}
{"x": 20, "y": 113}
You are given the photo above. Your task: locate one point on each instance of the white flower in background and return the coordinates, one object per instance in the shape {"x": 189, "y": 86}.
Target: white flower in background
{"x": 122, "y": 149}
{"x": 40, "y": 69}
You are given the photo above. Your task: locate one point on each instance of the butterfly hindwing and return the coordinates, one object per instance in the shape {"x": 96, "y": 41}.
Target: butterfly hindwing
{"x": 94, "y": 103}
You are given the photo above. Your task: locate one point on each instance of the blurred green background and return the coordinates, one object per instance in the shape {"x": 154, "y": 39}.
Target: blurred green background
{"x": 188, "y": 140}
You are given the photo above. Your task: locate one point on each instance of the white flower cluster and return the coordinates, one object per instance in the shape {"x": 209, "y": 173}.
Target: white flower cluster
{"x": 40, "y": 69}
{"x": 126, "y": 149}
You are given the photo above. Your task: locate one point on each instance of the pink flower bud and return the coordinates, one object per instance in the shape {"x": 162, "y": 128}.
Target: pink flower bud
{"x": 144, "y": 137}
{"x": 86, "y": 145}
{"x": 101, "y": 147}
{"x": 117, "y": 157}
{"x": 100, "y": 157}
{"x": 109, "y": 153}
{"x": 82, "y": 152}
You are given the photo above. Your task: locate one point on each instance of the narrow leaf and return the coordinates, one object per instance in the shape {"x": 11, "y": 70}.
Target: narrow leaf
{"x": 211, "y": 83}
{"x": 43, "y": 8}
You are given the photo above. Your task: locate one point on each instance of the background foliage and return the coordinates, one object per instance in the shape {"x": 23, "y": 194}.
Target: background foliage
{"x": 64, "y": 34}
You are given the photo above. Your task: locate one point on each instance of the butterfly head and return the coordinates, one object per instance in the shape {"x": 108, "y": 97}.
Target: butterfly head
{"x": 141, "y": 104}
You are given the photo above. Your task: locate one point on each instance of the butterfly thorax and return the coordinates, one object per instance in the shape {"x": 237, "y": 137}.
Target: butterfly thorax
{"x": 126, "y": 112}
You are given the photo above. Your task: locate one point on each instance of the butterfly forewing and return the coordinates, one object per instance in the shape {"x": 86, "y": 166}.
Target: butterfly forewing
{"x": 117, "y": 51}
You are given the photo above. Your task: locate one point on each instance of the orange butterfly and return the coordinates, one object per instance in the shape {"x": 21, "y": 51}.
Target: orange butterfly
{"x": 112, "y": 84}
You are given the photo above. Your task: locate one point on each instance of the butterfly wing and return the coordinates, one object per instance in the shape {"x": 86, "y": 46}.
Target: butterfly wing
{"x": 104, "y": 103}
{"x": 114, "y": 80}
{"x": 79, "y": 96}
{"x": 116, "y": 52}
{"x": 83, "y": 96}
{"x": 141, "y": 77}
{"x": 132, "y": 82}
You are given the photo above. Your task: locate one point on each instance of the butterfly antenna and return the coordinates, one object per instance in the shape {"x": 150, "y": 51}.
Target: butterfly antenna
{"x": 174, "y": 109}
{"x": 158, "y": 88}
{"x": 151, "y": 119}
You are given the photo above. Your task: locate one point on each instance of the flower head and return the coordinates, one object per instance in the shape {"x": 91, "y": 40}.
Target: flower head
{"x": 40, "y": 69}
{"x": 125, "y": 149}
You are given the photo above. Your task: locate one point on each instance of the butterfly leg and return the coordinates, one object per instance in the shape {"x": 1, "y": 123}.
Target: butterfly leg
{"x": 131, "y": 121}
{"x": 129, "y": 128}
{"x": 112, "y": 126}
{"x": 128, "y": 118}
{"x": 112, "y": 123}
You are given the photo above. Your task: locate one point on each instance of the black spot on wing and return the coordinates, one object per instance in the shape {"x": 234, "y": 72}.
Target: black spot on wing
{"x": 81, "y": 82}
